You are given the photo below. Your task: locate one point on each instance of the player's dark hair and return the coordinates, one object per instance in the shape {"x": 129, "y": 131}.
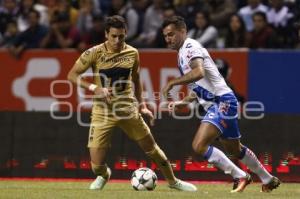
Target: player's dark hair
{"x": 115, "y": 21}
{"x": 177, "y": 21}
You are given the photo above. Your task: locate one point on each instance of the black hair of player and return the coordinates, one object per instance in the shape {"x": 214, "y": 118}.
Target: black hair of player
{"x": 177, "y": 21}
{"x": 115, "y": 21}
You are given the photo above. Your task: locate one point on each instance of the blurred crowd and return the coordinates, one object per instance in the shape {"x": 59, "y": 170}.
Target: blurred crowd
{"x": 52, "y": 24}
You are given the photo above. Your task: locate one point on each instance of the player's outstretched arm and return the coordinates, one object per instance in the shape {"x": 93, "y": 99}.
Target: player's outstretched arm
{"x": 173, "y": 106}
{"x": 138, "y": 90}
{"x": 195, "y": 74}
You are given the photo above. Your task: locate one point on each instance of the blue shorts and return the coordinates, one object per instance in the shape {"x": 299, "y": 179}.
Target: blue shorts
{"x": 223, "y": 114}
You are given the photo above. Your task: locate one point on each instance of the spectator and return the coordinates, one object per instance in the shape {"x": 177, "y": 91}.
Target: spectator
{"x": 263, "y": 36}
{"x": 8, "y": 12}
{"x": 279, "y": 14}
{"x": 188, "y": 9}
{"x": 30, "y": 38}
{"x": 52, "y": 8}
{"x": 64, "y": 7}
{"x": 204, "y": 32}
{"x": 85, "y": 18}
{"x": 152, "y": 22}
{"x": 281, "y": 19}
{"x": 120, "y": 7}
{"x": 10, "y": 35}
{"x": 62, "y": 33}
{"x": 139, "y": 7}
{"x": 95, "y": 36}
{"x": 25, "y": 7}
{"x": 247, "y": 11}
{"x": 220, "y": 11}
{"x": 236, "y": 36}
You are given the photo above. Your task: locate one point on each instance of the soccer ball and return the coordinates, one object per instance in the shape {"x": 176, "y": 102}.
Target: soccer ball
{"x": 143, "y": 179}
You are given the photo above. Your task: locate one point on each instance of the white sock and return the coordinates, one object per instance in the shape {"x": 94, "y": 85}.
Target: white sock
{"x": 251, "y": 161}
{"x": 220, "y": 160}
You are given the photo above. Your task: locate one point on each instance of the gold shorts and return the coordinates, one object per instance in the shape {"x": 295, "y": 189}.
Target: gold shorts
{"x": 103, "y": 124}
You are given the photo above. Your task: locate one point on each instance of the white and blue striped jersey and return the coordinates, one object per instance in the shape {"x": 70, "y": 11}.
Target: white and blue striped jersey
{"x": 212, "y": 85}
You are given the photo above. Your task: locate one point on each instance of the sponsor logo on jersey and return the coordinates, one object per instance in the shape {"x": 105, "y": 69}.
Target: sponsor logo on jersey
{"x": 115, "y": 59}
{"x": 189, "y": 45}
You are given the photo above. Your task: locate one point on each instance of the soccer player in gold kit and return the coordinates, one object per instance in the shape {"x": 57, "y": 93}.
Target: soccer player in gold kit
{"x": 118, "y": 102}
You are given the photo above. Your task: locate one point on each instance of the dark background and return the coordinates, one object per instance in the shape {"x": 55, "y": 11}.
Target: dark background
{"x": 26, "y": 138}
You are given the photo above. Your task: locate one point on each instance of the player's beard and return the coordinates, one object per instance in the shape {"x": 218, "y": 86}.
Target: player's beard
{"x": 171, "y": 46}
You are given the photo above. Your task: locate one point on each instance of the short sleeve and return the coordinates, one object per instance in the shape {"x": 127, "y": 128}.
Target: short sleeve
{"x": 86, "y": 59}
{"x": 192, "y": 52}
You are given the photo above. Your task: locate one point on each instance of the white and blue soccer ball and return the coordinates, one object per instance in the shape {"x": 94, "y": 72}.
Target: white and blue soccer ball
{"x": 143, "y": 179}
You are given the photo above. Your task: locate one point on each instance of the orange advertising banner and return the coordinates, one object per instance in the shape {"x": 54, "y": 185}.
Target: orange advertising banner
{"x": 37, "y": 81}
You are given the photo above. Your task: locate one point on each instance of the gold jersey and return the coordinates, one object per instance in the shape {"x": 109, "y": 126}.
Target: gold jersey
{"x": 112, "y": 70}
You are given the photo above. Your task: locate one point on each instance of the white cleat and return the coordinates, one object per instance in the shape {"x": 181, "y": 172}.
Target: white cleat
{"x": 100, "y": 182}
{"x": 183, "y": 186}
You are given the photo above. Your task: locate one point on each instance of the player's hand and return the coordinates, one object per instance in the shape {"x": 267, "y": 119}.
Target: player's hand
{"x": 104, "y": 94}
{"x": 166, "y": 89}
{"x": 174, "y": 106}
{"x": 149, "y": 114}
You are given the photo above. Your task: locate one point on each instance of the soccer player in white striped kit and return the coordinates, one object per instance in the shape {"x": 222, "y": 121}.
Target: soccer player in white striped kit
{"x": 199, "y": 72}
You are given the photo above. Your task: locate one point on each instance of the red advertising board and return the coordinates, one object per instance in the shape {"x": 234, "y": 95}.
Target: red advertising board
{"x": 37, "y": 81}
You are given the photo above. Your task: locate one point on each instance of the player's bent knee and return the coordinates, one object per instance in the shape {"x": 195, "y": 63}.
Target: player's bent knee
{"x": 99, "y": 170}
{"x": 195, "y": 146}
{"x": 199, "y": 148}
{"x": 147, "y": 143}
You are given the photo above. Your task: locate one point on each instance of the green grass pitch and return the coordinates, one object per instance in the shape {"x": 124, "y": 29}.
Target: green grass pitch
{"x": 28, "y": 189}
